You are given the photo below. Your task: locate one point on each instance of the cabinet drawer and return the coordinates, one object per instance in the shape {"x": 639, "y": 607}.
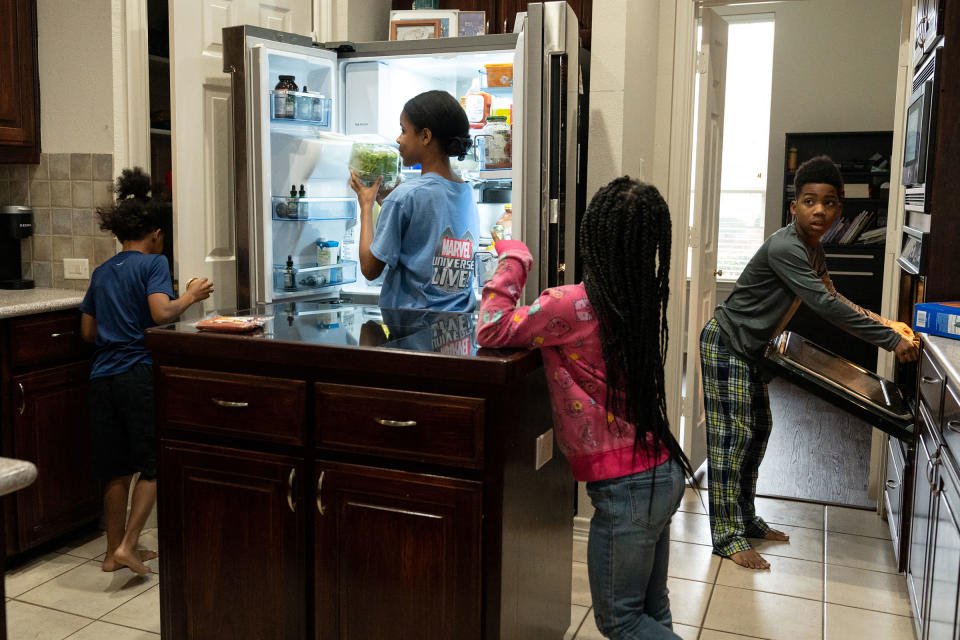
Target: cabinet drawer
{"x": 403, "y": 424}
{"x": 951, "y": 421}
{"x": 46, "y": 339}
{"x": 232, "y": 404}
{"x": 931, "y": 386}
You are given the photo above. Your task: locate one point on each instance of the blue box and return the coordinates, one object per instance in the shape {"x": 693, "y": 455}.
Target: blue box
{"x": 938, "y": 319}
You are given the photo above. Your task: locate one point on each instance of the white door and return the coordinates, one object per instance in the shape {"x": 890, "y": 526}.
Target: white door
{"x": 202, "y": 129}
{"x": 712, "y": 72}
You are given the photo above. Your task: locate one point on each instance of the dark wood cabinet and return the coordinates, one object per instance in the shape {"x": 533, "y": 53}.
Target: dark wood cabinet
{"x": 19, "y": 83}
{"x": 398, "y": 551}
{"x": 45, "y": 369}
{"x": 425, "y": 501}
{"x": 234, "y": 543}
{"x": 502, "y": 14}
{"x": 48, "y": 430}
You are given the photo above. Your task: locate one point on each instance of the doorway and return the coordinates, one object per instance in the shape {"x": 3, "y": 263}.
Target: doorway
{"x": 825, "y": 76}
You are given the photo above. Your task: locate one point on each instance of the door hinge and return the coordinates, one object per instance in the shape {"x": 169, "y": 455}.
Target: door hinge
{"x": 701, "y": 62}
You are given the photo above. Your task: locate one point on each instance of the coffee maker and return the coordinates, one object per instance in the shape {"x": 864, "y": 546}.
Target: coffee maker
{"x": 16, "y": 223}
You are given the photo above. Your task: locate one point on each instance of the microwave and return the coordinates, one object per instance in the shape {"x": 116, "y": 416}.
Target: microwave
{"x": 920, "y": 136}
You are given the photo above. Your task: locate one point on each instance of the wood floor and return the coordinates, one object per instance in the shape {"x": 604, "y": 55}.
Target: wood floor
{"x": 816, "y": 451}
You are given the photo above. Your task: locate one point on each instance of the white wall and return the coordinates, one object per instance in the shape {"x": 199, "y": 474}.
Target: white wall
{"x": 834, "y": 69}
{"x": 76, "y": 71}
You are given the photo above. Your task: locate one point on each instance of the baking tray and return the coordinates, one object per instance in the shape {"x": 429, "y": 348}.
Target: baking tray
{"x": 842, "y": 383}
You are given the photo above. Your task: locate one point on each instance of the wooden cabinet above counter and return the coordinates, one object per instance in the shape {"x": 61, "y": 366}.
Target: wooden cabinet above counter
{"x": 20, "y": 83}
{"x": 378, "y": 473}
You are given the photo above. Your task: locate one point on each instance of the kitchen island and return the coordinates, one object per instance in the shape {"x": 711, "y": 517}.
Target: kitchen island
{"x": 347, "y": 472}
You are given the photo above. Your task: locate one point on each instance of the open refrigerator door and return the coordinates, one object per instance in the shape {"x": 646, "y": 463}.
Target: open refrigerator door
{"x": 300, "y": 200}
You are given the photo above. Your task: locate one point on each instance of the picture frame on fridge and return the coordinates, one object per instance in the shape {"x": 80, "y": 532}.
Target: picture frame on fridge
{"x": 448, "y": 19}
{"x": 414, "y": 29}
{"x": 472, "y": 23}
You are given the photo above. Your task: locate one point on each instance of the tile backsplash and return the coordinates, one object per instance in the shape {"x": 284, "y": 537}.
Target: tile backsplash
{"x": 64, "y": 191}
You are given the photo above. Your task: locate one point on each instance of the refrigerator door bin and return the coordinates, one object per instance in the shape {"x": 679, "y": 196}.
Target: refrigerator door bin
{"x": 842, "y": 383}
{"x": 310, "y": 109}
{"x": 286, "y": 209}
{"x": 314, "y": 277}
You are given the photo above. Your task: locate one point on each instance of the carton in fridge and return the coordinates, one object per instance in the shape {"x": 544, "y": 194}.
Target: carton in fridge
{"x": 938, "y": 319}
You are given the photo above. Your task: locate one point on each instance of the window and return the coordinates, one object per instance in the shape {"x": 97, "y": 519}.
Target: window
{"x": 746, "y": 138}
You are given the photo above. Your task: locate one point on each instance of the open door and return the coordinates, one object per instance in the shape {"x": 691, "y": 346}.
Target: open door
{"x": 712, "y": 72}
{"x": 202, "y": 129}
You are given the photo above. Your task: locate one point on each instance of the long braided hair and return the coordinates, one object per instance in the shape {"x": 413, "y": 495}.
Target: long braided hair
{"x": 625, "y": 248}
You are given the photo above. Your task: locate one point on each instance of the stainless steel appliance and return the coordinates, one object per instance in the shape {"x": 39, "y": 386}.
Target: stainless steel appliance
{"x": 16, "y": 223}
{"x": 356, "y": 93}
{"x": 843, "y": 383}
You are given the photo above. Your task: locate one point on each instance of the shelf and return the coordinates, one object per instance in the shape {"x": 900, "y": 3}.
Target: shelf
{"x": 158, "y": 59}
{"x": 316, "y": 277}
{"x": 159, "y": 132}
{"x": 314, "y": 209}
{"x": 490, "y": 174}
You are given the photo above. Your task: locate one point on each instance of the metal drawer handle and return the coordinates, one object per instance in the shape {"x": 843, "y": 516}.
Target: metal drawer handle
{"x": 230, "y": 403}
{"x": 929, "y": 380}
{"x": 60, "y": 335}
{"x": 396, "y": 423}
{"x": 892, "y": 484}
{"x": 953, "y": 425}
{"x": 290, "y": 501}
{"x": 932, "y": 468}
{"x": 23, "y": 399}
{"x": 320, "y": 506}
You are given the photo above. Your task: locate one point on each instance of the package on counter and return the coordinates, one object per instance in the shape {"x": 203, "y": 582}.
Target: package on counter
{"x": 938, "y": 319}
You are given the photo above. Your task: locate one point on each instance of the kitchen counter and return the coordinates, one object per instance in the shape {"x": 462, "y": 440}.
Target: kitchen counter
{"x": 347, "y": 455}
{"x": 15, "y": 475}
{"x": 27, "y": 302}
{"x": 946, "y": 351}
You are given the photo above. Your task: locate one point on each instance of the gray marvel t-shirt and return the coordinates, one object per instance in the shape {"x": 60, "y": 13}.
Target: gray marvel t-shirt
{"x": 784, "y": 270}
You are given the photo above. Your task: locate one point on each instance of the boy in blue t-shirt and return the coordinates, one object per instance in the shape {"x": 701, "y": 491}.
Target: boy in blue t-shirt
{"x": 128, "y": 293}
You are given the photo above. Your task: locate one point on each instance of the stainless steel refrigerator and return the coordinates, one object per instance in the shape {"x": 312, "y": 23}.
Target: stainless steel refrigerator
{"x": 355, "y": 92}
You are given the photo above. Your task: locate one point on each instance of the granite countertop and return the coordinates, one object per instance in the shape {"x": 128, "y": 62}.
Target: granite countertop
{"x": 947, "y": 352}
{"x": 27, "y": 302}
{"x": 15, "y": 475}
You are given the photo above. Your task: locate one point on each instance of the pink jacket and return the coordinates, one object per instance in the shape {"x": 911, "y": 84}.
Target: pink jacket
{"x": 597, "y": 444}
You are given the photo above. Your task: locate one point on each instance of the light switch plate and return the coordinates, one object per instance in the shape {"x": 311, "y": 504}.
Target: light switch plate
{"x": 76, "y": 269}
{"x": 544, "y": 448}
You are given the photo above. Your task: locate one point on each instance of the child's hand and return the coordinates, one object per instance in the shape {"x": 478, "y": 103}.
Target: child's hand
{"x": 383, "y": 193}
{"x": 200, "y": 288}
{"x": 365, "y": 195}
{"x": 906, "y": 350}
{"x": 496, "y": 236}
{"x": 904, "y": 330}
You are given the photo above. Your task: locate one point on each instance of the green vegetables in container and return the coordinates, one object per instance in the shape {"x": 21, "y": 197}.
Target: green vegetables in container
{"x": 369, "y": 160}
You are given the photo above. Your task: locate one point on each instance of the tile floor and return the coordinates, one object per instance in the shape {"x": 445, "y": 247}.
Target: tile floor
{"x": 836, "y": 580}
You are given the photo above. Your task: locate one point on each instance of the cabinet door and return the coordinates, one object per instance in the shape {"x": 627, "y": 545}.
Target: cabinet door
{"x": 944, "y": 566}
{"x": 507, "y": 14}
{"x": 397, "y": 555}
{"x": 20, "y": 96}
{"x": 920, "y": 519}
{"x": 52, "y": 430}
{"x": 232, "y": 559}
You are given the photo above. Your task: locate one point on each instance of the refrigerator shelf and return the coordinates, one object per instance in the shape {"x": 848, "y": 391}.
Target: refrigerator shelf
{"x": 309, "y": 109}
{"x": 314, "y": 209}
{"x": 316, "y": 277}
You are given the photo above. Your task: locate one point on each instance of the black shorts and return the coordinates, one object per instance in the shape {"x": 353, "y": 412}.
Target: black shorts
{"x": 122, "y": 421}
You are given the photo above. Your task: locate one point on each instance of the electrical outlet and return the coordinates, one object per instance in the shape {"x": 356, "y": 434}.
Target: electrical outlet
{"x": 76, "y": 269}
{"x": 544, "y": 448}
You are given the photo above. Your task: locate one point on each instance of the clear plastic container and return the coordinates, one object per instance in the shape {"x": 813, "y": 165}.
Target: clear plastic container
{"x": 369, "y": 160}
{"x": 495, "y": 144}
{"x": 308, "y": 278}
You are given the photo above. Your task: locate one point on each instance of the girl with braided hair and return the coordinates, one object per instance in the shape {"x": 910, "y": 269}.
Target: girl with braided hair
{"x": 604, "y": 342}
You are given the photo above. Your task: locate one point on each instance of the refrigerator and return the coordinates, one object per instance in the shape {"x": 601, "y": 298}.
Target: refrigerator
{"x": 355, "y": 93}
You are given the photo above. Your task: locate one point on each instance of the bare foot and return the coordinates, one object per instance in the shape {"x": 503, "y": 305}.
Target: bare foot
{"x": 750, "y": 559}
{"x": 130, "y": 560}
{"x": 109, "y": 564}
{"x": 779, "y": 536}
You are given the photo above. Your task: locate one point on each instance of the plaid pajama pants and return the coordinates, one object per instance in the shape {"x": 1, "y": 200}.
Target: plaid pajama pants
{"x": 738, "y": 426}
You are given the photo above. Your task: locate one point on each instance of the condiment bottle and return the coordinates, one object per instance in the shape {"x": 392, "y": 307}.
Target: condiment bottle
{"x": 304, "y": 105}
{"x": 284, "y": 102}
{"x": 293, "y": 207}
{"x": 288, "y": 275}
{"x": 477, "y": 105}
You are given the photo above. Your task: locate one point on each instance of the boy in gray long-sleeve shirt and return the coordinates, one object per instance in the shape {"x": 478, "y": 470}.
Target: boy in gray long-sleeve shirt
{"x": 789, "y": 268}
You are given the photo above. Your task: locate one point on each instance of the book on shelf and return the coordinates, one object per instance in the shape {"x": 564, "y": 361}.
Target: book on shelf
{"x": 873, "y": 235}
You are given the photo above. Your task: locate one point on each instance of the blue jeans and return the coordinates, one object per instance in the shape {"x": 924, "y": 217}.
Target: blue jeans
{"x": 628, "y": 552}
